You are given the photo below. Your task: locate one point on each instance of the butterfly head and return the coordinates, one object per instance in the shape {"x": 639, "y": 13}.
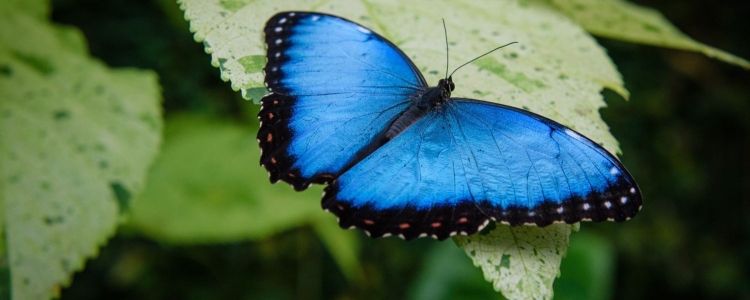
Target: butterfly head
{"x": 446, "y": 86}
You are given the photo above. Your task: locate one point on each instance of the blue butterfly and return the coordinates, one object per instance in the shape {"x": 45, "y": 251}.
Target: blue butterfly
{"x": 347, "y": 108}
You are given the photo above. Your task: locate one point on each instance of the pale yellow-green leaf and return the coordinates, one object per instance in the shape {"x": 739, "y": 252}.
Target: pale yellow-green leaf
{"x": 557, "y": 69}
{"x": 521, "y": 262}
{"x": 622, "y": 20}
{"x": 76, "y": 139}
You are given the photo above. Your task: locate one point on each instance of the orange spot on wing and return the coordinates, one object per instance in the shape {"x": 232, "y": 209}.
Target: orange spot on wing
{"x": 369, "y": 222}
{"x": 269, "y": 138}
{"x": 436, "y": 225}
{"x": 463, "y": 220}
{"x": 404, "y": 225}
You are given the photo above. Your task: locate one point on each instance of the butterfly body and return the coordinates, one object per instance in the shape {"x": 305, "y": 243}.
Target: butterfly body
{"x": 347, "y": 108}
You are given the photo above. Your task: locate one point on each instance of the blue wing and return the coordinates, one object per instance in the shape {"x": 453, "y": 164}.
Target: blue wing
{"x": 335, "y": 86}
{"x": 468, "y": 162}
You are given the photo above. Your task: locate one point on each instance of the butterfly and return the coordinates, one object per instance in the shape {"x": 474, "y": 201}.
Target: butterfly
{"x": 349, "y": 109}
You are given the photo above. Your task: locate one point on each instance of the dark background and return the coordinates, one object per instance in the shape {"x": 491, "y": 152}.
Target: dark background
{"x": 684, "y": 134}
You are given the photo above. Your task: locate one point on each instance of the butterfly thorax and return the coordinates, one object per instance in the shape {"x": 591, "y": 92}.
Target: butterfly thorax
{"x": 420, "y": 106}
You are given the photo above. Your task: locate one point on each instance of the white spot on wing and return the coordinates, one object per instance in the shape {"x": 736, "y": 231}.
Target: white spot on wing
{"x": 624, "y": 200}
{"x": 315, "y": 18}
{"x": 277, "y": 41}
{"x": 363, "y": 30}
{"x": 282, "y": 21}
{"x": 586, "y": 206}
{"x": 292, "y": 14}
{"x": 559, "y": 210}
{"x": 632, "y": 190}
{"x": 278, "y": 29}
{"x": 614, "y": 171}
{"x": 608, "y": 205}
{"x": 574, "y": 134}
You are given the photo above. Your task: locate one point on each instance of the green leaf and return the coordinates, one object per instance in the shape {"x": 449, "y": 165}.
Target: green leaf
{"x": 625, "y": 21}
{"x": 521, "y": 262}
{"x": 207, "y": 187}
{"x": 556, "y": 70}
{"x": 76, "y": 139}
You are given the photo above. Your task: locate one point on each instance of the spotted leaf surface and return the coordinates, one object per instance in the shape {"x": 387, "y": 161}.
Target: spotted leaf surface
{"x": 521, "y": 262}
{"x": 76, "y": 139}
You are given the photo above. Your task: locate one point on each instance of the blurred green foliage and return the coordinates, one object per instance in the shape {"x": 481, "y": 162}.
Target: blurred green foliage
{"x": 685, "y": 136}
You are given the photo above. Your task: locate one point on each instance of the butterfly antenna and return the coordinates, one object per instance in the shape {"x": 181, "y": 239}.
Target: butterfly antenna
{"x": 446, "y": 49}
{"x": 493, "y": 50}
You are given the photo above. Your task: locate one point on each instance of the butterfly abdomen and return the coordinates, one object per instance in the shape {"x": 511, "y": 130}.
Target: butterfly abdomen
{"x": 432, "y": 97}
{"x": 403, "y": 121}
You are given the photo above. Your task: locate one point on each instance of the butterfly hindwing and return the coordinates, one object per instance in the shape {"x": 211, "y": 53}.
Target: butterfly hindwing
{"x": 335, "y": 86}
{"x": 469, "y": 161}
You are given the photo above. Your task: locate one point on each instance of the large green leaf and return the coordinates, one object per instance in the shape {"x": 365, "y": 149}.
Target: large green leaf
{"x": 75, "y": 141}
{"x": 622, "y": 20}
{"x": 556, "y": 70}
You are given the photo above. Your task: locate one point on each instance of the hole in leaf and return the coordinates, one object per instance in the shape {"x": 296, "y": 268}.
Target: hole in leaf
{"x": 505, "y": 261}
